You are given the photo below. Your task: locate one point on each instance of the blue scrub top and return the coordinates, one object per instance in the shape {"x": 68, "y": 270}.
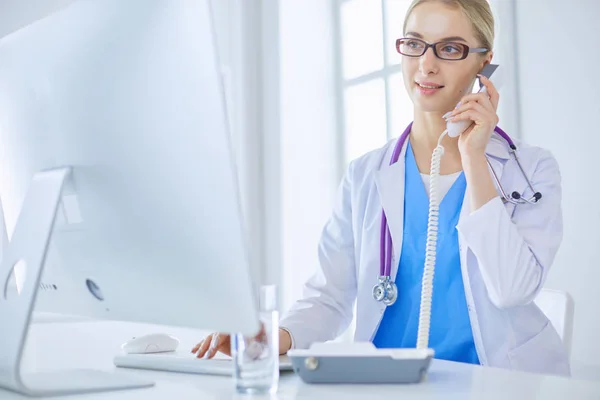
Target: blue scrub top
{"x": 451, "y": 335}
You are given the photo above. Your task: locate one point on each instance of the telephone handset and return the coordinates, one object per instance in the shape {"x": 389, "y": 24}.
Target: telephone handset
{"x": 453, "y": 129}
{"x": 456, "y": 128}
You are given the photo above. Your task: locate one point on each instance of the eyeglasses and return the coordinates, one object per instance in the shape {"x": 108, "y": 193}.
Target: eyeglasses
{"x": 444, "y": 50}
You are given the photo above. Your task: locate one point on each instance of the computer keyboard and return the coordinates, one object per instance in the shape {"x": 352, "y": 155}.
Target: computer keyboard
{"x": 185, "y": 362}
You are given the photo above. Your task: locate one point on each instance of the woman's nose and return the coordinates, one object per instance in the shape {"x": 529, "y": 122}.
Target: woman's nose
{"x": 428, "y": 62}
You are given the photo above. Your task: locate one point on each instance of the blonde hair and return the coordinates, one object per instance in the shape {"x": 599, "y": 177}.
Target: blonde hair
{"x": 478, "y": 12}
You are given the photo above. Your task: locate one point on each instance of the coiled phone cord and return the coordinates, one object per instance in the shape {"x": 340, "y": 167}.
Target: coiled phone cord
{"x": 430, "y": 247}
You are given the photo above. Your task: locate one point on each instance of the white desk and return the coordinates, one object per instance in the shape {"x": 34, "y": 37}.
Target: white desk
{"x": 93, "y": 345}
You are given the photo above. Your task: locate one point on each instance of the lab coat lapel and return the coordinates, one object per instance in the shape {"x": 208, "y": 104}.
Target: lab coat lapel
{"x": 390, "y": 186}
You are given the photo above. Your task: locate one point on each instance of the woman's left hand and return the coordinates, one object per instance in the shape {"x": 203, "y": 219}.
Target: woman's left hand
{"x": 481, "y": 109}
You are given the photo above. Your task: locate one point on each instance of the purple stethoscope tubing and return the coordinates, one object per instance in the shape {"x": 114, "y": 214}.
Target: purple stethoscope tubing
{"x": 385, "y": 245}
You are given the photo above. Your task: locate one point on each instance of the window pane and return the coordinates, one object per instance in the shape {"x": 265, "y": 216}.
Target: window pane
{"x": 395, "y": 10}
{"x": 365, "y": 118}
{"x": 401, "y": 106}
{"x": 362, "y": 37}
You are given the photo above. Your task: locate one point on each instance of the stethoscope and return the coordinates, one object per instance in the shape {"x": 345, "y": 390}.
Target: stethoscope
{"x": 386, "y": 290}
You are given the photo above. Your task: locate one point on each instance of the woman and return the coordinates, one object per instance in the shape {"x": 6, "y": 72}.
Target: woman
{"x": 493, "y": 257}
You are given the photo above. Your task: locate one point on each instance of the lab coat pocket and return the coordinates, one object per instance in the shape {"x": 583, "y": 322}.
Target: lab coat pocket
{"x": 543, "y": 353}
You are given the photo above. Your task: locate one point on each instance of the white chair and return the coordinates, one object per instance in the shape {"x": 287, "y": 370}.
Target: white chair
{"x": 559, "y": 307}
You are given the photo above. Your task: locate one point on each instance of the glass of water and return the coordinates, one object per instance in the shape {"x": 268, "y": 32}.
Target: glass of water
{"x": 256, "y": 358}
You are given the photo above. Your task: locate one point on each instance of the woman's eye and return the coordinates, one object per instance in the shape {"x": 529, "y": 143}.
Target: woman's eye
{"x": 451, "y": 49}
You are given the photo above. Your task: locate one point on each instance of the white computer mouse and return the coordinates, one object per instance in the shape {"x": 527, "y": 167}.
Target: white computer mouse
{"x": 152, "y": 343}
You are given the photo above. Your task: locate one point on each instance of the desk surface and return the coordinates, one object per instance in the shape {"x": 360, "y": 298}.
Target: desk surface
{"x": 93, "y": 344}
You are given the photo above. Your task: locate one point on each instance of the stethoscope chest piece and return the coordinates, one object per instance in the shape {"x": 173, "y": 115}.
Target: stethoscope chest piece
{"x": 385, "y": 291}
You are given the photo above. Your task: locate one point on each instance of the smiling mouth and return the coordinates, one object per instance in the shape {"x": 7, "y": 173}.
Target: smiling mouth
{"x": 429, "y": 86}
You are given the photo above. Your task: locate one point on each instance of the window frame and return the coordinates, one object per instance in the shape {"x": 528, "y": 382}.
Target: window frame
{"x": 343, "y": 84}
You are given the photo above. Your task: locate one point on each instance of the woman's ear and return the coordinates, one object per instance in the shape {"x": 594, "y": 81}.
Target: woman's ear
{"x": 488, "y": 60}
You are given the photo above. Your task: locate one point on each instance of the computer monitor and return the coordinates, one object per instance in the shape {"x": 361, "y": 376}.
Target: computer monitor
{"x": 116, "y": 157}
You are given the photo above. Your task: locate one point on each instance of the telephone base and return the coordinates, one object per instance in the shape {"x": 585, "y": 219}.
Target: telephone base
{"x": 361, "y": 363}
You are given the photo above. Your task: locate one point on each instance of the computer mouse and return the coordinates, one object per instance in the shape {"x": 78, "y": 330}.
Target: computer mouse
{"x": 153, "y": 343}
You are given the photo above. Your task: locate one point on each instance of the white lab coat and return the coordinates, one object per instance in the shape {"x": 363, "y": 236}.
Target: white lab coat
{"x": 505, "y": 252}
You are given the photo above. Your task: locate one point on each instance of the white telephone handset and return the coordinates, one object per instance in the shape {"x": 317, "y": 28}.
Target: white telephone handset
{"x": 456, "y": 128}
{"x": 453, "y": 129}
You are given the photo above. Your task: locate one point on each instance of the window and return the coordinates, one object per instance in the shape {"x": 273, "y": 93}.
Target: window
{"x": 374, "y": 104}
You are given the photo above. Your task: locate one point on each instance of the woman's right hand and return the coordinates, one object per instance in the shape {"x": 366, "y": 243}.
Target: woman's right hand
{"x": 212, "y": 344}
{"x": 221, "y": 342}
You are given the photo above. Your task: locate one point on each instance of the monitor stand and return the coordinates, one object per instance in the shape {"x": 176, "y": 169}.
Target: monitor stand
{"x": 29, "y": 244}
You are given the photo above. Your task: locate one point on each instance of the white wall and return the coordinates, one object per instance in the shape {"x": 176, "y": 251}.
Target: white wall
{"x": 507, "y": 77}
{"x": 308, "y": 135}
{"x": 560, "y": 104}
{"x": 14, "y": 14}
